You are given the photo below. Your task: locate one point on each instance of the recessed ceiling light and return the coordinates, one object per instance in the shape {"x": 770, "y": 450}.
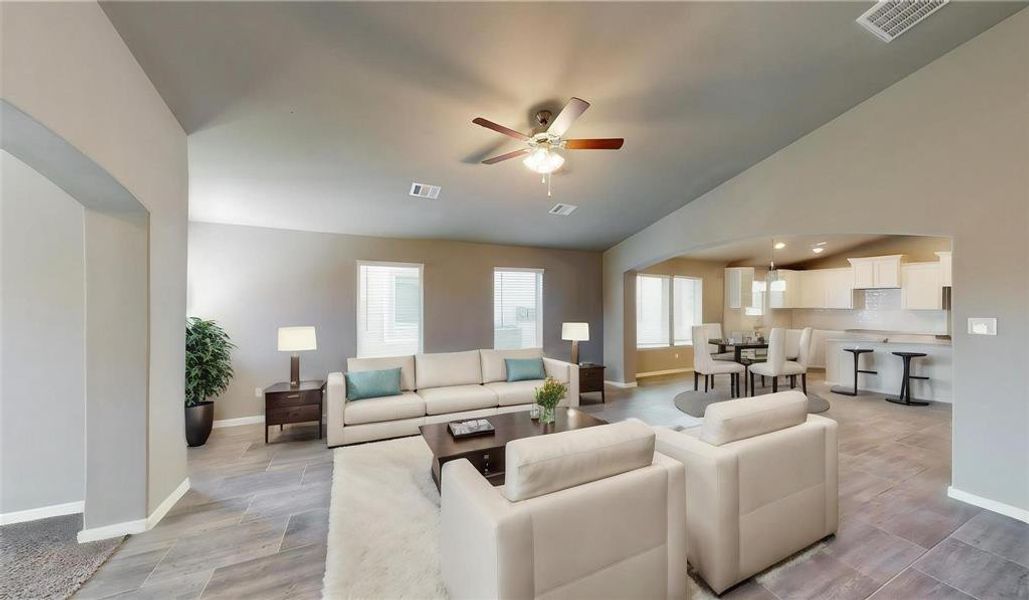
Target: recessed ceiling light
{"x": 820, "y": 244}
{"x": 780, "y": 245}
{"x": 818, "y": 249}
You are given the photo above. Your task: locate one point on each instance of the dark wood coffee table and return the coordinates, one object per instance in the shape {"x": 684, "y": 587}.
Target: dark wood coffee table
{"x": 487, "y": 452}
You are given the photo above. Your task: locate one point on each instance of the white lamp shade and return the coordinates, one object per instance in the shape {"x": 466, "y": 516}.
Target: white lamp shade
{"x": 576, "y": 332}
{"x": 295, "y": 339}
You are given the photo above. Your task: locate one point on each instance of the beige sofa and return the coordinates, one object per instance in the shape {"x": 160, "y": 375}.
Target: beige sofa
{"x": 762, "y": 484}
{"x": 437, "y": 387}
{"x": 590, "y": 513}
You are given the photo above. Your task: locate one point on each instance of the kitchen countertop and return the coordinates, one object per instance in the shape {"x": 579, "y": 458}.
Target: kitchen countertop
{"x": 946, "y": 343}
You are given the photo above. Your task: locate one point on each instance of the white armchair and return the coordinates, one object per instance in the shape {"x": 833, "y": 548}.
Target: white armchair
{"x": 762, "y": 484}
{"x": 591, "y": 513}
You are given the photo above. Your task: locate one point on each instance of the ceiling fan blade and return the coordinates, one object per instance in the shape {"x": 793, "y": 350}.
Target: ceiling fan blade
{"x": 567, "y": 116}
{"x": 509, "y": 155}
{"x": 500, "y": 129}
{"x": 595, "y": 144}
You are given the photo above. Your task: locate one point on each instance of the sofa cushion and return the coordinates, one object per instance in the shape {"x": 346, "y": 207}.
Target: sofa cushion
{"x": 524, "y": 369}
{"x": 457, "y": 398}
{"x": 373, "y": 384}
{"x": 733, "y": 420}
{"x": 447, "y": 369}
{"x": 387, "y": 408}
{"x": 493, "y": 367}
{"x": 404, "y": 363}
{"x": 544, "y": 464}
{"x": 515, "y": 392}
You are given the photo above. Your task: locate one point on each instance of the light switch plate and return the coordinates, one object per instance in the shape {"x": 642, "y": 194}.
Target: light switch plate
{"x": 982, "y": 326}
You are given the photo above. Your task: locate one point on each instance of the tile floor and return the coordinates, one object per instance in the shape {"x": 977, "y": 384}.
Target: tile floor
{"x": 254, "y": 523}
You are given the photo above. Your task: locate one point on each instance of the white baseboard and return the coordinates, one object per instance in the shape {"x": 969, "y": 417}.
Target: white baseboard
{"x": 114, "y": 530}
{"x": 1007, "y": 510}
{"x": 43, "y": 512}
{"x": 139, "y": 525}
{"x": 664, "y": 372}
{"x": 167, "y": 504}
{"x": 256, "y": 419}
{"x": 621, "y": 384}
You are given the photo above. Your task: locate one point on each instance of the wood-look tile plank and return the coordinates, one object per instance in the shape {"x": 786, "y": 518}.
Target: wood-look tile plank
{"x": 872, "y": 551}
{"x": 305, "y": 528}
{"x": 204, "y": 551}
{"x": 915, "y": 585}
{"x": 998, "y": 534}
{"x": 293, "y": 573}
{"x": 975, "y": 572}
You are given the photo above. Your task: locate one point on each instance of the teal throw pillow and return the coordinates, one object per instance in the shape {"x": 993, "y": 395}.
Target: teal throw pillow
{"x": 523, "y": 369}
{"x": 373, "y": 384}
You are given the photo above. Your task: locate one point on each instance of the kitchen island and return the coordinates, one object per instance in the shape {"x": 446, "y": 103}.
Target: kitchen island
{"x": 937, "y": 365}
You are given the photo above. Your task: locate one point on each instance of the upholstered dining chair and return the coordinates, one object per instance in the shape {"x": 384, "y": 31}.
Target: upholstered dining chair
{"x": 714, "y": 332}
{"x": 704, "y": 364}
{"x": 777, "y": 365}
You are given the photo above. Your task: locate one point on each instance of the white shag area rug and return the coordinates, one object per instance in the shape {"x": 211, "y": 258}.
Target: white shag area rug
{"x": 384, "y": 526}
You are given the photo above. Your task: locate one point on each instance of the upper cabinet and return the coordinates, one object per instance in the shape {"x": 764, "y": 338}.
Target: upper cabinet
{"x": 786, "y": 293}
{"x": 945, "y": 269}
{"x": 825, "y": 288}
{"x": 876, "y": 272}
{"x": 739, "y": 283}
{"x": 922, "y": 287}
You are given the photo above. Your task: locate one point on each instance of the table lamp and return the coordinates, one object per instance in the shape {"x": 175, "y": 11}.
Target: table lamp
{"x": 575, "y": 332}
{"x": 296, "y": 340}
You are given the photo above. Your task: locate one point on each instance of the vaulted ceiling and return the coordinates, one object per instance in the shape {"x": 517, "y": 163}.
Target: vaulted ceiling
{"x": 318, "y": 116}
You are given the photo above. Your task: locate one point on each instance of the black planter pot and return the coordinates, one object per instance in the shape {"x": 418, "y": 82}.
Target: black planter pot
{"x": 199, "y": 420}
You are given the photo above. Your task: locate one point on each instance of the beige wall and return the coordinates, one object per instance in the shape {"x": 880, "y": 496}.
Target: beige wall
{"x": 66, "y": 66}
{"x": 42, "y": 315}
{"x": 253, "y": 280}
{"x": 649, "y": 360}
{"x": 943, "y": 152}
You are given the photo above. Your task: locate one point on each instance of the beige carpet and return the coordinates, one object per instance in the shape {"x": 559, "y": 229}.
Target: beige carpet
{"x": 384, "y": 525}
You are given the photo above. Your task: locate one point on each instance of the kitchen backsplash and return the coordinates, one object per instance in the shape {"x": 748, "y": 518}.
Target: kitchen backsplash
{"x": 882, "y": 319}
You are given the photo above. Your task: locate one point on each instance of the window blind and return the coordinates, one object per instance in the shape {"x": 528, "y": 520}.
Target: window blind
{"x": 652, "y": 311}
{"x": 687, "y": 295}
{"x": 517, "y": 308}
{"x": 389, "y": 311}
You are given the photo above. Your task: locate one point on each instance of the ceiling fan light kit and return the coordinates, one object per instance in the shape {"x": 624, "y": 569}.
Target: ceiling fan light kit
{"x": 540, "y": 153}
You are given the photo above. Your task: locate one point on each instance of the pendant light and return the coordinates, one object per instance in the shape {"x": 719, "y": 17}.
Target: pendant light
{"x": 775, "y": 281}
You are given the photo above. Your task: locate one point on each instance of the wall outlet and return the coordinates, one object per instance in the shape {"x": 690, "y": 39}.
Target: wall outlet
{"x": 982, "y": 326}
{"x": 258, "y": 392}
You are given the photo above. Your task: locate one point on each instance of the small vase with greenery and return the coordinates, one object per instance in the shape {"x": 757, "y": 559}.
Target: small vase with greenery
{"x": 208, "y": 373}
{"x": 548, "y": 396}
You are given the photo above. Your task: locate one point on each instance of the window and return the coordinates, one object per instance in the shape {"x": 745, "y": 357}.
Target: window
{"x": 389, "y": 309}
{"x": 517, "y": 308}
{"x": 687, "y": 295}
{"x": 667, "y": 309}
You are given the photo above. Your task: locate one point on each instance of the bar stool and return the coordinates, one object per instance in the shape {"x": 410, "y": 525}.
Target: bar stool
{"x": 857, "y": 352}
{"x": 905, "y": 385}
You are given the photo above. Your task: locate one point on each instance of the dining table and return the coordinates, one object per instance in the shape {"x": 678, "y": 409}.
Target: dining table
{"x": 738, "y": 348}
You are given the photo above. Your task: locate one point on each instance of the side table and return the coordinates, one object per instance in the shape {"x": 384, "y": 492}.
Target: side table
{"x": 591, "y": 379}
{"x": 285, "y": 404}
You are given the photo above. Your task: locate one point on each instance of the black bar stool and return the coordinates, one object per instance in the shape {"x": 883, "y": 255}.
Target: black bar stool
{"x": 905, "y": 385}
{"x": 857, "y": 352}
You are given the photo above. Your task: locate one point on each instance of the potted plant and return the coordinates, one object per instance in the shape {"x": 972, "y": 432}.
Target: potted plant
{"x": 208, "y": 372}
{"x": 548, "y": 396}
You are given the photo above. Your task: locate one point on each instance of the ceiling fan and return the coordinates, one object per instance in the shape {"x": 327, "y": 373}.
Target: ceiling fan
{"x": 541, "y": 148}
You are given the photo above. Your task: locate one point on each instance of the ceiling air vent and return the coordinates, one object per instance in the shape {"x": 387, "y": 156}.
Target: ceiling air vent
{"x": 424, "y": 190}
{"x": 887, "y": 20}
{"x": 563, "y": 209}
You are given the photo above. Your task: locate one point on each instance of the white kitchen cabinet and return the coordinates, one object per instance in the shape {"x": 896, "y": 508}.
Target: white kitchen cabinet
{"x": 945, "y": 268}
{"x": 876, "y": 272}
{"x": 921, "y": 287}
{"x": 839, "y": 290}
{"x": 739, "y": 282}
{"x": 789, "y": 297}
{"x": 812, "y": 289}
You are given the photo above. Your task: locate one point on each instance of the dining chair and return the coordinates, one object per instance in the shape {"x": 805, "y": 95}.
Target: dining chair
{"x": 704, "y": 364}
{"x": 714, "y": 332}
{"x": 777, "y": 365}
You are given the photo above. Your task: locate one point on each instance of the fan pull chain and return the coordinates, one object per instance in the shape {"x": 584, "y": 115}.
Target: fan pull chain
{"x": 548, "y": 185}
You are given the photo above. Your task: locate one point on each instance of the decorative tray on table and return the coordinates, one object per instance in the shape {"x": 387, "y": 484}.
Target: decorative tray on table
{"x": 470, "y": 428}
